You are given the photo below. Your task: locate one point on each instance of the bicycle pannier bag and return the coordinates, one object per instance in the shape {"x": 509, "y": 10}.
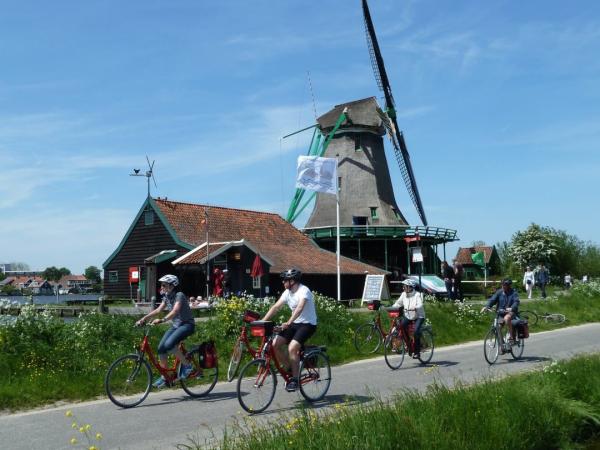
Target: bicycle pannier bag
{"x": 209, "y": 355}
{"x": 374, "y": 305}
{"x": 523, "y": 329}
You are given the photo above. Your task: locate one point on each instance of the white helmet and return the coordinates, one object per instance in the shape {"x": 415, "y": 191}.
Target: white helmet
{"x": 410, "y": 282}
{"x": 169, "y": 279}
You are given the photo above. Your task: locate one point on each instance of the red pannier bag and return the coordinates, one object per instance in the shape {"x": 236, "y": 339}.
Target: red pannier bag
{"x": 250, "y": 316}
{"x": 374, "y": 305}
{"x": 261, "y": 328}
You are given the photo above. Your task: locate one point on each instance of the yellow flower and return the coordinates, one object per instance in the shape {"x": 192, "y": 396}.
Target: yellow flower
{"x": 82, "y": 430}
{"x": 98, "y": 436}
{"x": 88, "y": 427}
{"x": 73, "y": 441}
{"x": 69, "y": 413}
{"x": 74, "y": 425}
{"x": 93, "y": 447}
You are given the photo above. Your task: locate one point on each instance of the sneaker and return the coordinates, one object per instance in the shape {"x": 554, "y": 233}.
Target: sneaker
{"x": 416, "y": 356}
{"x": 185, "y": 371}
{"x": 292, "y": 385}
{"x": 160, "y": 382}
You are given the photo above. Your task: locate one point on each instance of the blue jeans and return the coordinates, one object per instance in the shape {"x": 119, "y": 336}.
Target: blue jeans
{"x": 174, "y": 336}
{"x": 417, "y": 335}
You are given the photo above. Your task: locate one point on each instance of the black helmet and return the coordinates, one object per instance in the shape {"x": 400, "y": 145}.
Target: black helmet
{"x": 291, "y": 274}
{"x": 507, "y": 282}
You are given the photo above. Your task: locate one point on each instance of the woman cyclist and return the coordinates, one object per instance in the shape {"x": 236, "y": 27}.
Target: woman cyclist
{"x": 412, "y": 303}
{"x": 301, "y": 325}
{"x": 183, "y": 325}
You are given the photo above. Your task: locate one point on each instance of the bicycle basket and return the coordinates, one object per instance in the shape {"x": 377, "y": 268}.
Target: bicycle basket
{"x": 374, "y": 305}
{"x": 250, "y": 316}
{"x": 394, "y": 312}
{"x": 261, "y": 328}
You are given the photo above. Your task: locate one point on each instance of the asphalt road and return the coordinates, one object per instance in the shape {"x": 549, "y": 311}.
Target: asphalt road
{"x": 168, "y": 417}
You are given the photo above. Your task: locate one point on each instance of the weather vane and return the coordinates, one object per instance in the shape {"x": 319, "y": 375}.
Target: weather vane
{"x": 149, "y": 174}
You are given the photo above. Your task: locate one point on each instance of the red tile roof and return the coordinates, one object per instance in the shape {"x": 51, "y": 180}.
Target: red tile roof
{"x": 269, "y": 233}
{"x": 463, "y": 256}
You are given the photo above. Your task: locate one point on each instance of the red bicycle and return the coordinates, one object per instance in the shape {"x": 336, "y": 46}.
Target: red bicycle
{"x": 129, "y": 379}
{"x": 398, "y": 342}
{"x": 257, "y": 381}
{"x": 242, "y": 344}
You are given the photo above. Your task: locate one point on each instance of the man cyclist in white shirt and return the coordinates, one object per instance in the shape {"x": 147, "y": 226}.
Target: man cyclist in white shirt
{"x": 301, "y": 325}
{"x": 412, "y": 303}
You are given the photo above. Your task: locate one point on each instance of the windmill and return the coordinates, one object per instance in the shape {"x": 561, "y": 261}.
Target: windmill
{"x": 148, "y": 174}
{"x": 373, "y": 229}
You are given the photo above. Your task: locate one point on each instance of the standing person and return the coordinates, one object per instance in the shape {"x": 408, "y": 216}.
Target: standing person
{"x": 301, "y": 325}
{"x": 528, "y": 280}
{"x": 183, "y": 325}
{"x": 568, "y": 281}
{"x": 448, "y": 276}
{"x": 542, "y": 278}
{"x": 412, "y": 303}
{"x": 458, "y": 274}
{"x": 218, "y": 282}
{"x": 507, "y": 306}
{"x": 584, "y": 279}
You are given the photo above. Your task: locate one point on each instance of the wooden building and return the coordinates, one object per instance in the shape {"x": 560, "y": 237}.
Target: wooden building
{"x": 176, "y": 237}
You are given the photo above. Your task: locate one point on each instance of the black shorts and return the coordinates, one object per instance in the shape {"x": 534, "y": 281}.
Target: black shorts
{"x": 299, "y": 332}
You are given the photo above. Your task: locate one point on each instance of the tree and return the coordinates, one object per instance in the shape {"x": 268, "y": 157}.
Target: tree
{"x": 92, "y": 273}
{"x": 64, "y": 271}
{"x": 535, "y": 244}
{"x": 54, "y": 274}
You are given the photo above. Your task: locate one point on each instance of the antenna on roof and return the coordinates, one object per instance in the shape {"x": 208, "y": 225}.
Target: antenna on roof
{"x": 312, "y": 94}
{"x": 149, "y": 174}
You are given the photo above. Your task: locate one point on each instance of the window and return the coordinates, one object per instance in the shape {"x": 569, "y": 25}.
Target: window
{"x": 256, "y": 283}
{"x": 357, "y": 143}
{"x": 113, "y": 276}
{"x": 148, "y": 217}
{"x": 374, "y": 212}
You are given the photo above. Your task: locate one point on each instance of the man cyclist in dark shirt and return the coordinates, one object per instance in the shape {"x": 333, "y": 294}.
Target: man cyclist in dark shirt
{"x": 507, "y": 306}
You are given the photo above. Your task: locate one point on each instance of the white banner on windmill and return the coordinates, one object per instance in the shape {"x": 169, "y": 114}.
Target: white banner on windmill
{"x": 317, "y": 174}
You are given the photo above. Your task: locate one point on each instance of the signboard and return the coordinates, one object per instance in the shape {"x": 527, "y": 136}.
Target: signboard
{"x": 134, "y": 275}
{"x": 412, "y": 239}
{"x": 375, "y": 288}
{"x": 417, "y": 255}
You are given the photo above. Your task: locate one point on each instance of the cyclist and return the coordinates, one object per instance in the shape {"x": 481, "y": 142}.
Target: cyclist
{"x": 301, "y": 325}
{"x": 183, "y": 325}
{"x": 507, "y": 306}
{"x": 412, "y": 303}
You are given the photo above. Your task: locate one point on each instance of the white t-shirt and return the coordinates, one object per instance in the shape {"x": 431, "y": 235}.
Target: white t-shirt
{"x": 413, "y": 305}
{"x": 309, "y": 313}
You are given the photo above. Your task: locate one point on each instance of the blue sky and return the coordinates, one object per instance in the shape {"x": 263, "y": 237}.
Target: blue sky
{"x": 499, "y": 103}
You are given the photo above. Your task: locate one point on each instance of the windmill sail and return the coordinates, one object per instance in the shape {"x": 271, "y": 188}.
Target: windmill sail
{"x": 390, "y": 123}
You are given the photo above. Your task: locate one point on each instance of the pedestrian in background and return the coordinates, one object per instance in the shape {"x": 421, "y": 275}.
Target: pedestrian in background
{"x": 448, "y": 276}
{"x": 542, "y": 277}
{"x": 528, "y": 281}
{"x": 458, "y": 274}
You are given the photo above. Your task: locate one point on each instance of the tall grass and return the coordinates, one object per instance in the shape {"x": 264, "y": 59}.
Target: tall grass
{"x": 556, "y": 407}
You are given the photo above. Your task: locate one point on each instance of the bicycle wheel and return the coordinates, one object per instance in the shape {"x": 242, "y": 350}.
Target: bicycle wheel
{"x": 516, "y": 350}
{"x": 128, "y": 381}
{"x": 367, "y": 338}
{"x": 315, "y": 375}
{"x": 491, "y": 346}
{"x": 202, "y": 380}
{"x": 234, "y": 362}
{"x": 393, "y": 350}
{"x": 530, "y": 316}
{"x": 554, "y": 318}
{"x": 256, "y": 386}
{"x": 426, "y": 346}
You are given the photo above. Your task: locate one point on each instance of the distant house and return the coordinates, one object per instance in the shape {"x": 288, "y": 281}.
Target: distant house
{"x": 184, "y": 238}
{"x": 36, "y": 285}
{"x": 491, "y": 259}
{"x": 78, "y": 283}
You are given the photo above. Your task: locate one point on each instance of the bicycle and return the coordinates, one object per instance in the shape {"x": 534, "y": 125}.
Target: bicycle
{"x": 495, "y": 343}
{"x": 397, "y": 341}
{"x": 257, "y": 380}
{"x": 369, "y": 336}
{"x": 532, "y": 317}
{"x": 241, "y": 344}
{"x": 129, "y": 378}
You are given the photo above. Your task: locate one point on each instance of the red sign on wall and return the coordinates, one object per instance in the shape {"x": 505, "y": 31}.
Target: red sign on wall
{"x": 412, "y": 239}
{"x": 134, "y": 275}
